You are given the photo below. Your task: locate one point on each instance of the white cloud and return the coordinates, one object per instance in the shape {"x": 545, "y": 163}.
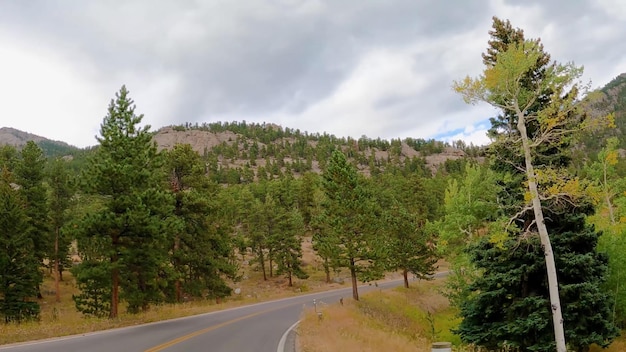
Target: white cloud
{"x": 613, "y": 8}
{"x": 156, "y": 96}
{"x": 383, "y": 69}
{"x": 523, "y": 15}
{"x": 476, "y": 135}
{"x": 362, "y": 103}
{"x": 41, "y": 93}
{"x": 414, "y": 79}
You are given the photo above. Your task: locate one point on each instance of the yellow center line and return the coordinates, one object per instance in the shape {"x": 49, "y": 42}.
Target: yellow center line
{"x": 178, "y": 340}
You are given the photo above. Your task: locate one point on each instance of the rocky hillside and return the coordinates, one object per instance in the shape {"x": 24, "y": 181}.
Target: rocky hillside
{"x": 168, "y": 137}
{"x": 609, "y": 99}
{"x": 240, "y": 152}
{"x": 239, "y": 146}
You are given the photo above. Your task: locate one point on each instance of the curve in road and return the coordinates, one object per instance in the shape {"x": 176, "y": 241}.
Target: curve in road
{"x": 254, "y": 328}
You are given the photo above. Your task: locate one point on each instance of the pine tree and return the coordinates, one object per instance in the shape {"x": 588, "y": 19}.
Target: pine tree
{"x": 93, "y": 279}
{"x": 269, "y": 220}
{"x": 349, "y": 212}
{"x": 325, "y": 245}
{"x": 408, "y": 250}
{"x": 200, "y": 248}
{"x": 61, "y": 191}
{"x": 305, "y": 198}
{"x": 405, "y": 212}
{"x": 130, "y": 230}
{"x": 19, "y": 266}
{"x": 258, "y": 224}
{"x": 288, "y": 245}
{"x": 8, "y": 158}
{"x": 509, "y": 305}
{"x": 30, "y": 174}
{"x": 284, "y": 238}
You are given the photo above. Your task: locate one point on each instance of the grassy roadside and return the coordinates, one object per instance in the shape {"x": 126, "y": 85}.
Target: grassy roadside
{"x": 393, "y": 320}
{"x": 398, "y": 320}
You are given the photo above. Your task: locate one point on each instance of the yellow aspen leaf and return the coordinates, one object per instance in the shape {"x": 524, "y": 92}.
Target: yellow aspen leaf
{"x": 610, "y": 119}
{"x": 498, "y": 239}
{"x": 611, "y": 157}
{"x": 553, "y": 189}
{"x": 528, "y": 197}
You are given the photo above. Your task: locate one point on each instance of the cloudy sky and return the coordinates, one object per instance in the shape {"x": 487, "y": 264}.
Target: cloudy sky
{"x": 380, "y": 68}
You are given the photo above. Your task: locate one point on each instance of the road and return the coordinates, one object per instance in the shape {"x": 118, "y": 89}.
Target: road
{"x": 254, "y": 328}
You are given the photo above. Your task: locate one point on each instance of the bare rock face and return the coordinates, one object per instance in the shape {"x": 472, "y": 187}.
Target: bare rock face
{"x": 434, "y": 161}
{"x": 167, "y": 138}
{"x": 409, "y": 152}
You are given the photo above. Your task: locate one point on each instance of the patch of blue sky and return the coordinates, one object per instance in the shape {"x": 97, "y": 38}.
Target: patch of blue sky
{"x": 475, "y": 133}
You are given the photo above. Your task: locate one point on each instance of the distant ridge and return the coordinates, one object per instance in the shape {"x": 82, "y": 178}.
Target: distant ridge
{"x": 18, "y": 139}
{"x": 227, "y": 145}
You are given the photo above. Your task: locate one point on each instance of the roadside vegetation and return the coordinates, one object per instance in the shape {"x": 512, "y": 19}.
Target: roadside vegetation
{"x": 399, "y": 320}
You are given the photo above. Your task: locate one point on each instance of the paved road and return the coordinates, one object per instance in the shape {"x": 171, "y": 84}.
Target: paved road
{"x": 254, "y": 328}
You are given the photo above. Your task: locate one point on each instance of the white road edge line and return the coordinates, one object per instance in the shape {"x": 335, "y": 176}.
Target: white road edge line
{"x": 106, "y": 331}
{"x": 283, "y": 339}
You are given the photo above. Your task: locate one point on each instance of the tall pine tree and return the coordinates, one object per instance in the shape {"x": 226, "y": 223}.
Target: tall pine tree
{"x": 61, "y": 191}
{"x": 19, "y": 266}
{"x": 287, "y": 244}
{"x": 30, "y": 175}
{"x": 348, "y": 211}
{"x": 131, "y": 228}
{"x": 403, "y": 223}
{"x": 200, "y": 247}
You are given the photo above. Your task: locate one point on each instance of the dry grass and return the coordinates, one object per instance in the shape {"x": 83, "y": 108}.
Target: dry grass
{"x": 394, "y": 320}
{"x": 391, "y": 320}
{"x": 619, "y": 345}
{"x": 343, "y": 328}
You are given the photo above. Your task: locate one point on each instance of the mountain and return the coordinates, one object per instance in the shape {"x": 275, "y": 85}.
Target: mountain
{"x": 610, "y": 99}
{"x": 17, "y": 138}
{"x": 241, "y": 152}
{"x": 613, "y": 99}
{"x": 235, "y": 146}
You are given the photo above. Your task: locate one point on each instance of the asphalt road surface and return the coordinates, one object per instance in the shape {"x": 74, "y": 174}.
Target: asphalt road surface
{"x": 254, "y": 328}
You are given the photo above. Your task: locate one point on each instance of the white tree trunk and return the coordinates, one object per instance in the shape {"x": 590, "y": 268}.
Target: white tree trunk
{"x": 607, "y": 194}
{"x": 553, "y": 284}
